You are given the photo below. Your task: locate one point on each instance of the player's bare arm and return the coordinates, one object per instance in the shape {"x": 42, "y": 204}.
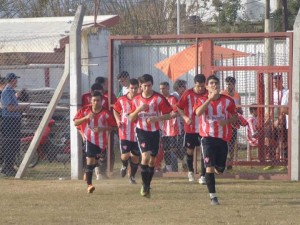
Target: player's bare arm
{"x": 232, "y": 119}
{"x": 134, "y": 115}
{"x": 84, "y": 119}
{"x": 117, "y": 118}
{"x": 186, "y": 119}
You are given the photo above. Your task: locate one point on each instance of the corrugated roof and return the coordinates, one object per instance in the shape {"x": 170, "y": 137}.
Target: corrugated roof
{"x": 42, "y": 34}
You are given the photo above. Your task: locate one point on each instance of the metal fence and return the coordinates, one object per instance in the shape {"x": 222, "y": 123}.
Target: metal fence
{"x": 254, "y": 71}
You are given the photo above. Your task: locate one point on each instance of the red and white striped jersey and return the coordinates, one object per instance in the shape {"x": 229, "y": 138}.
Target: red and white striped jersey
{"x": 158, "y": 105}
{"x": 252, "y": 131}
{"x": 171, "y": 127}
{"x": 127, "y": 129}
{"x": 104, "y": 118}
{"x": 186, "y": 103}
{"x": 221, "y": 109}
{"x": 87, "y": 97}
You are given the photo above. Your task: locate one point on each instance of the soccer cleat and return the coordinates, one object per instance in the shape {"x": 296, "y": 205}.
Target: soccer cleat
{"x": 214, "y": 201}
{"x": 132, "y": 180}
{"x": 90, "y": 189}
{"x": 191, "y": 177}
{"x": 145, "y": 192}
{"x": 123, "y": 171}
{"x": 202, "y": 180}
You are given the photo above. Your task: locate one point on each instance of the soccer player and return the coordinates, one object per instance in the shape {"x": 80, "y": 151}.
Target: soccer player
{"x": 123, "y": 79}
{"x": 231, "y": 92}
{"x": 128, "y": 144}
{"x": 148, "y": 108}
{"x": 217, "y": 112}
{"x": 95, "y": 122}
{"x": 191, "y": 123}
{"x": 170, "y": 132}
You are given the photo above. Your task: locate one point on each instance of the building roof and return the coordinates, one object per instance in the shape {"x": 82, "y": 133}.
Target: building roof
{"x": 43, "y": 34}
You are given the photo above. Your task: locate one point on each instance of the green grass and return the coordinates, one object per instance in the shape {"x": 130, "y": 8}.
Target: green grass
{"x": 173, "y": 201}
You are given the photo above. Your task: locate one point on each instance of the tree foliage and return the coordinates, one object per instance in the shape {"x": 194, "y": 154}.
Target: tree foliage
{"x": 292, "y": 11}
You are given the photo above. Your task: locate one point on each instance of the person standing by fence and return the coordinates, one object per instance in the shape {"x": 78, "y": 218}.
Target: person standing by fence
{"x": 11, "y": 124}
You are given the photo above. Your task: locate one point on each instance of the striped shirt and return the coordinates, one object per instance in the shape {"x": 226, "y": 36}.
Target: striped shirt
{"x": 158, "y": 105}
{"x": 102, "y": 119}
{"x": 171, "y": 127}
{"x": 221, "y": 109}
{"x": 127, "y": 129}
{"x": 186, "y": 103}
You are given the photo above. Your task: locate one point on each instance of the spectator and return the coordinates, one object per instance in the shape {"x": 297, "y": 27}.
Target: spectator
{"x": 11, "y": 124}
{"x": 216, "y": 112}
{"x": 95, "y": 122}
{"x": 123, "y": 79}
{"x": 170, "y": 132}
{"x": 251, "y": 130}
{"x": 277, "y": 132}
{"x": 2, "y": 85}
{"x": 129, "y": 148}
{"x": 231, "y": 92}
{"x": 148, "y": 108}
{"x": 191, "y": 124}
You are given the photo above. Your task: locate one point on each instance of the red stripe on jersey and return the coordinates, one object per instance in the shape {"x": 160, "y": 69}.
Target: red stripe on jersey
{"x": 104, "y": 118}
{"x": 127, "y": 129}
{"x": 186, "y": 103}
{"x": 217, "y": 110}
{"x": 158, "y": 105}
{"x": 171, "y": 127}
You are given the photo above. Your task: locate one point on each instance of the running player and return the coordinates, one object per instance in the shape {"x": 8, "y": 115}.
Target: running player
{"x": 95, "y": 122}
{"x": 148, "y": 108}
{"x": 191, "y": 124}
{"x": 128, "y": 145}
{"x": 217, "y": 112}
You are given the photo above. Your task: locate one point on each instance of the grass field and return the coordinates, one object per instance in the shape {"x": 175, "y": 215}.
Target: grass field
{"x": 173, "y": 201}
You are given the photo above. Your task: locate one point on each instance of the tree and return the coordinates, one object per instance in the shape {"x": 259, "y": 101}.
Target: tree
{"x": 285, "y": 20}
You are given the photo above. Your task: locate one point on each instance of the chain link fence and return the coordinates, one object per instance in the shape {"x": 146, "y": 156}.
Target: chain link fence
{"x": 269, "y": 155}
{"x": 39, "y": 74}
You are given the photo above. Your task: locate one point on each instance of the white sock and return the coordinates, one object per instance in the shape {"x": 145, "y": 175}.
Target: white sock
{"x": 212, "y": 195}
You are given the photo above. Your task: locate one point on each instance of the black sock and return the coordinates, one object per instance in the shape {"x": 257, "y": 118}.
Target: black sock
{"x": 151, "y": 173}
{"x": 203, "y": 169}
{"x": 125, "y": 163}
{"x": 189, "y": 161}
{"x": 210, "y": 182}
{"x": 145, "y": 174}
{"x": 89, "y": 174}
{"x": 134, "y": 168}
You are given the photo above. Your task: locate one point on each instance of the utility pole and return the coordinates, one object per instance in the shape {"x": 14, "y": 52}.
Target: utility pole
{"x": 268, "y": 50}
{"x": 178, "y": 17}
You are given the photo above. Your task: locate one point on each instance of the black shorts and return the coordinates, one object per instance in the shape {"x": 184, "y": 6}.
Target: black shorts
{"x": 94, "y": 151}
{"x": 148, "y": 141}
{"x": 169, "y": 143}
{"x": 215, "y": 152}
{"x": 192, "y": 140}
{"x": 129, "y": 146}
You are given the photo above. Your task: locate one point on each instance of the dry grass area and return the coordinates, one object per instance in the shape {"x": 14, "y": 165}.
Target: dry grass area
{"x": 173, "y": 201}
